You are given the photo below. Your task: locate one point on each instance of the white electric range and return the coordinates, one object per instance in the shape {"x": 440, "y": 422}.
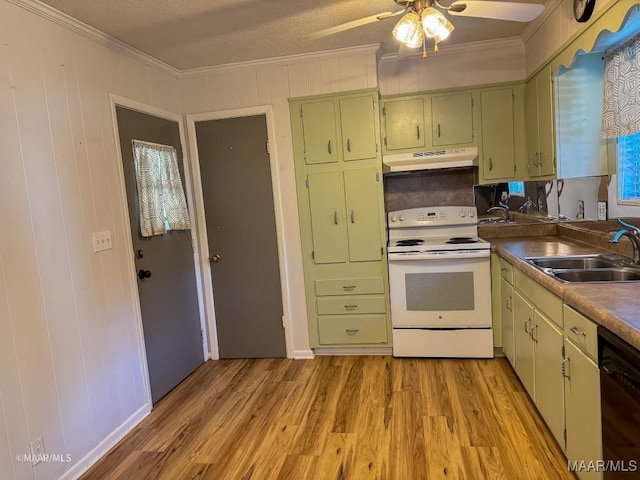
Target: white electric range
{"x": 440, "y": 283}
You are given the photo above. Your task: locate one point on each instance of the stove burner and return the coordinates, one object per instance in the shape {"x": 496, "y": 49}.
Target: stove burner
{"x": 456, "y": 240}
{"x": 409, "y": 242}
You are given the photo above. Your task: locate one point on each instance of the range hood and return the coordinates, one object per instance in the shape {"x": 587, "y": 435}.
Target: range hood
{"x": 431, "y": 160}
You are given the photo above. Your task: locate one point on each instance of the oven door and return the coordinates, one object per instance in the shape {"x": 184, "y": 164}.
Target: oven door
{"x": 440, "y": 290}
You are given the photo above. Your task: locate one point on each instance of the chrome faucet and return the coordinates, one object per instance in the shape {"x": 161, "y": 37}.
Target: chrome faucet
{"x": 503, "y": 208}
{"x": 632, "y": 233}
{"x": 526, "y": 205}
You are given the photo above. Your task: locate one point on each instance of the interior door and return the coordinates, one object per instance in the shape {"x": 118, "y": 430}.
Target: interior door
{"x": 241, "y": 231}
{"x": 168, "y": 297}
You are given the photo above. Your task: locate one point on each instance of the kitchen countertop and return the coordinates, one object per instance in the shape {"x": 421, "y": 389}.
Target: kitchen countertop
{"x": 615, "y": 306}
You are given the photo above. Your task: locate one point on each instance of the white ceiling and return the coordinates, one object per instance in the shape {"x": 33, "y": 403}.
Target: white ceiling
{"x": 197, "y": 33}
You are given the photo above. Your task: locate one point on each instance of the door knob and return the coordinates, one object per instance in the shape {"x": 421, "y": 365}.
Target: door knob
{"x": 215, "y": 258}
{"x": 142, "y": 274}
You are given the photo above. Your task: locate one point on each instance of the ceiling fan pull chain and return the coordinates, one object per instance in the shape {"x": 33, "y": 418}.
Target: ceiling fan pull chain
{"x": 424, "y": 48}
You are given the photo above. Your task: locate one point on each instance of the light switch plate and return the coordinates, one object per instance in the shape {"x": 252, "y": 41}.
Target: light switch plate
{"x": 102, "y": 241}
{"x": 602, "y": 211}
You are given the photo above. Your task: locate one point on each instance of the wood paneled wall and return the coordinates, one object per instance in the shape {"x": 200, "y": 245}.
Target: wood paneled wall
{"x": 273, "y": 83}
{"x": 71, "y": 365}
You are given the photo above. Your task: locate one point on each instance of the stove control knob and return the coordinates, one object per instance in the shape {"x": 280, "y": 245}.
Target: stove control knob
{"x": 393, "y": 218}
{"x": 401, "y": 218}
{"x": 463, "y": 213}
{"x": 471, "y": 214}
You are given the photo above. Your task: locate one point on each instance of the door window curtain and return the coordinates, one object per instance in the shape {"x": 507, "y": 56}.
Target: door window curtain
{"x": 621, "y": 106}
{"x": 162, "y": 204}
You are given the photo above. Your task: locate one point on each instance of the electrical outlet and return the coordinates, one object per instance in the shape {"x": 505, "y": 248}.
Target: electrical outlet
{"x": 580, "y": 213}
{"x": 102, "y": 241}
{"x": 37, "y": 450}
{"x": 602, "y": 211}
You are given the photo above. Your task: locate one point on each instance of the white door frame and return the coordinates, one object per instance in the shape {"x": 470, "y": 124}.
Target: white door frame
{"x": 265, "y": 110}
{"x": 116, "y": 101}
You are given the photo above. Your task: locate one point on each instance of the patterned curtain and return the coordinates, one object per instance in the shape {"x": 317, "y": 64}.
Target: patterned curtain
{"x": 621, "y": 107}
{"x": 161, "y": 201}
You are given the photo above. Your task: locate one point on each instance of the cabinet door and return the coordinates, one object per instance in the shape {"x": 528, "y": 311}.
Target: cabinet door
{"x": 548, "y": 341}
{"x": 452, "y": 119}
{"x": 522, "y": 324}
{"x": 328, "y": 227}
{"x": 319, "y": 132}
{"x": 359, "y": 139}
{"x": 531, "y": 122}
{"x": 404, "y": 124}
{"x": 546, "y": 131}
{"x": 362, "y": 194}
{"x": 498, "y": 142}
{"x": 582, "y": 400}
{"x": 508, "y": 342}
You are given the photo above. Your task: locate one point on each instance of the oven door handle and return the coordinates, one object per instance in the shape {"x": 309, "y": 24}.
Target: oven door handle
{"x": 393, "y": 257}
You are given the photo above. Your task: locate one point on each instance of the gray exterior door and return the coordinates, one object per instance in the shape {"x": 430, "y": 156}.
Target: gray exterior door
{"x": 241, "y": 231}
{"x": 168, "y": 298}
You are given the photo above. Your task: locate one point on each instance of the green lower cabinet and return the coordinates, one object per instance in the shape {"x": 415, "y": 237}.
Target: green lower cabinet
{"x": 524, "y": 346}
{"x": 548, "y": 340}
{"x": 582, "y": 410}
{"x": 508, "y": 341}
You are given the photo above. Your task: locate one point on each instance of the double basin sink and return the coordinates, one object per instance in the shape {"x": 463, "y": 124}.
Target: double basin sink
{"x": 588, "y": 268}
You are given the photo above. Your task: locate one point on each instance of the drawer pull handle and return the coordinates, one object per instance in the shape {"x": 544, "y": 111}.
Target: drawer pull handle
{"x": 350, "y": 307}
{"x": 348, "y": 288}
{"x": 575, "y": 331}
{"x": 329, "y": 147}
{"x": 352, "y": 331}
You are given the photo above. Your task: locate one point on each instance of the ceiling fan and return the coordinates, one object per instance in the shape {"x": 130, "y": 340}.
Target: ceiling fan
{"x": 424, "y": 19}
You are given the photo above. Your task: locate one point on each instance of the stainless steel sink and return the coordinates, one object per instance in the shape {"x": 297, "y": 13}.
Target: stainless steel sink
{"x": 599, "y": 275}
{"x": 588, "y": 268}
{"x": 492, "y": 220}
{"x": 574, "y": 262}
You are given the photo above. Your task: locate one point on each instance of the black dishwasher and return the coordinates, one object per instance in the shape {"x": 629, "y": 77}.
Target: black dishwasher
{"x": 620, "y": 402}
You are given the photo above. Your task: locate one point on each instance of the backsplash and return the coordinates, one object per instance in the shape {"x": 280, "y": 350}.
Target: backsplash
{"x": 428, "y": 188}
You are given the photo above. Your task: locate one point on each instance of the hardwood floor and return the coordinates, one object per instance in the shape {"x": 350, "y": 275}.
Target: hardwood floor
{"x": 341, "y": 418}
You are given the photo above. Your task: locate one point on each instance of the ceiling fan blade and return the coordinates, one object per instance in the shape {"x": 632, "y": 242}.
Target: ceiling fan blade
{"x": 353, "y": 24}
{"x": 516, "y": 12}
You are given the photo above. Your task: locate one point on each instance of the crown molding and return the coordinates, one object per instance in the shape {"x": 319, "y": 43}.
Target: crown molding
{"x": 549, "y": 7}
{"x": 458, "y": 48}
{"x": 87, "y": 31}
{"x": 373, "y": 48}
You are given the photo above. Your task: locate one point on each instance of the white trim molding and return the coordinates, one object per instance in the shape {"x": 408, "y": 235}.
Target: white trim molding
{"x": 303, "y": 355}
{"x": 455, "y": 49}
{"x": 96, "y": 453}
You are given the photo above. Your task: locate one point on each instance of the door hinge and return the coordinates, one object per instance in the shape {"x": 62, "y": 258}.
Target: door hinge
{"x": 301, "y": 115}
{"x": 385, "y": 140}
{"x": 384, "y": 110}
{"x": 381, "y": 250}
{"x": 513, "y": 97}
{"x": 564, "y": 437}
{"x": 306, "y": 183}
{"x": 283, "y": 321}
{"x": 268, "y": 148}
{"x": 471, "y": 102}
{"x": 563, "y": 351}
{"x": 377, "y": 176}
{"x": 313, "y": 255}
{"x": 374, "y": 105}
{"x": 376, "y": 148}
{"x": 515, "y": 167}
{"x": 202, "y": 336}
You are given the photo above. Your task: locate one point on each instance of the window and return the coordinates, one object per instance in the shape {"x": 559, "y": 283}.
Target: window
{"x": 629, "y": 169}
{"x": 161, "y": 201}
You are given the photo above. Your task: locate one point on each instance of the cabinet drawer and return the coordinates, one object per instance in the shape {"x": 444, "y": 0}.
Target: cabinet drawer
{"x": 350, "y": 305}
{"x": 506, "y": 270}
{"x": 543, "y": 299}
{"x": 349, "y": 286}
{"x": 582, "y": 331}
{"x": 352, "y": 329}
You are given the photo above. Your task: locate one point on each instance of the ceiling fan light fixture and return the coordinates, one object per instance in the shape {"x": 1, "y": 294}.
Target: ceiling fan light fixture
{"x": 409, "y": 31}
{"x": 435, "y": 24}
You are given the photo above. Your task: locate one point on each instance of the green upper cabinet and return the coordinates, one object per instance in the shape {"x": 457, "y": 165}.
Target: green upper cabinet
{"x": 363, "y": 214}
{"x": 498, "y": 155}
{"x": 319, "y": 131}
{"x": 344, "y": 129}
{"x": 403, "y": 121}
{"x": 328, "y": 222}
{"x": 541, "y": 158}
{"x": 452, "y": 119}
{"x": 359, "y": 135}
